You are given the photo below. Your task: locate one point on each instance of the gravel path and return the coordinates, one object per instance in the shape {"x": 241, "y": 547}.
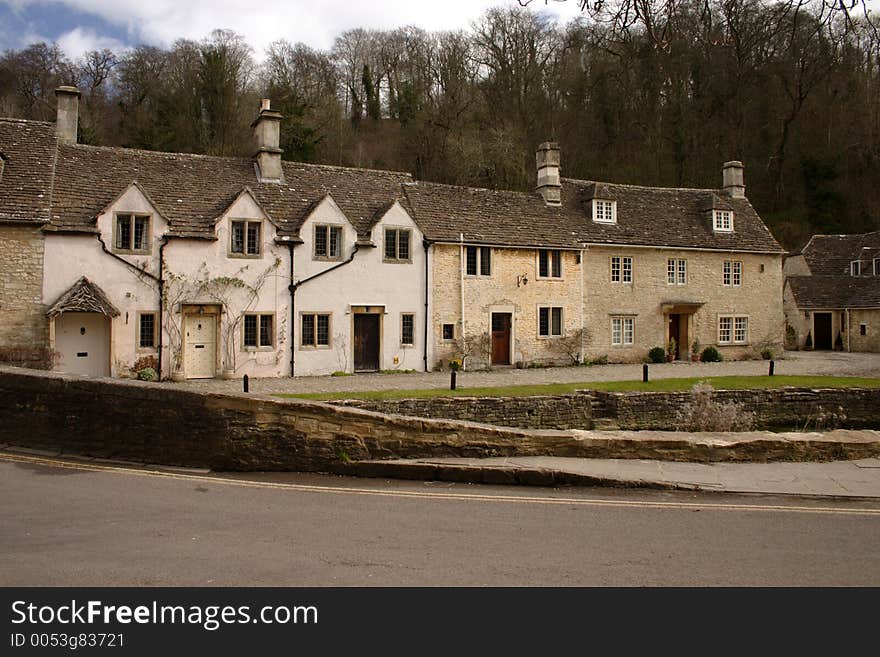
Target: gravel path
{"x": 794, "y": 363}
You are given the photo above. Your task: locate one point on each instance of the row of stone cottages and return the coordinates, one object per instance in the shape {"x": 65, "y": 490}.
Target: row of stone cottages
{"x": 210, "y": 266}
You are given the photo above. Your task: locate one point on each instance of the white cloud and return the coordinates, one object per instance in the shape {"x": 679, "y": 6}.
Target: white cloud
{"x": 315, "y": 22}
{"x": 79, "y": 41}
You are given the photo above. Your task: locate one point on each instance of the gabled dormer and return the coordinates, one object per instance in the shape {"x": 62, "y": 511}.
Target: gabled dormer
{"x": 327, "y": 231}
{"x": 245, "y": 226}
{"x": 131, "y": 223}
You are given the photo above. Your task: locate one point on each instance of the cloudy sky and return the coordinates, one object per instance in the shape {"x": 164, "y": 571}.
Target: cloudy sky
{"x": 80, "y": 25}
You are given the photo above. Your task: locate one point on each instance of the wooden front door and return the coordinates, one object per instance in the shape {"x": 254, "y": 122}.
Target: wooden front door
{"x": 822, "y": 331}
{"x": 678, "y": 331}
{"x": 366, "y": 342}
{"x": 83, "y": 342}
{"x": 501, "y": 338}
{"x": 200, "y": 351}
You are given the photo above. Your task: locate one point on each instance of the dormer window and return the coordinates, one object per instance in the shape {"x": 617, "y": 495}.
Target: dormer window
{"x": 132, "y": 233}
{"x": 876, "y": 266}
{"x": 2, "y": 164}
{"x": 722, "y": 221}
{"x": 244, "y": 238}
{"x": 855, "y": 268}
{"x": 604, "y": 211}
{"x": 328, "y": 242}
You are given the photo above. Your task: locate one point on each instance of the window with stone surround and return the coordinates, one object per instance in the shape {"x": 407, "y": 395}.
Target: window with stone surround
{"x": 132, "y": 233}
{"x": 621, "y": 269}
{"x": 328, "y": 243}
{"x": 622, "y": 331}
{"x": 407, "y": 329}
{"x": 549, "y": 263}
{"x": 549, "y": 321}
{"x": 244, "y": 238}
{"x": 733, "y": 329}
{"x": 676, "y": 271}
{"x": 147, "y": 331}
{"x": 258, "y": 331}
{"x": 855, "y": 268}
{"x": 315, "y": 330}
{"x": 448, "y": 332}
{"x": 397, "y": 245}
{"x": 478, "y": 261}
{"x": 732, "y": 273}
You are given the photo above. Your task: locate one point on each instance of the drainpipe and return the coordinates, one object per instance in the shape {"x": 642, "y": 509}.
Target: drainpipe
{"x": 293, "y": 287}
{"x": 426, "y": 244}
{"x": 461, "y": 282}
{"x": 162, "y": 244}
{"x": 848, "y": 331}
{"x": 583, "y": 254}
{"x": 124, "y": 261}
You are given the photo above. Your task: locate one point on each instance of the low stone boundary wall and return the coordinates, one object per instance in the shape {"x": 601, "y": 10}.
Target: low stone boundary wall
{"x": 803, "y": 409}
{"x": 174, "y": 425}
{"x": 539, "y": 412}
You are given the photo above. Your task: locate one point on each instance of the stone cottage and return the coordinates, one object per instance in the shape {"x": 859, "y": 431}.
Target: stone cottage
{"x": 205, "y": 266}
{"x": 832, "y": 293}
{"x": 590, "y": 270}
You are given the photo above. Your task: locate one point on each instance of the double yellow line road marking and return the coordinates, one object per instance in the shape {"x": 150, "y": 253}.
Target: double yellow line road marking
{"x": 430, "y": 495}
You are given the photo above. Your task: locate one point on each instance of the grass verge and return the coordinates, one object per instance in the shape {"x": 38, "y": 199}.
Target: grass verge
{"x": 659, "y": 385}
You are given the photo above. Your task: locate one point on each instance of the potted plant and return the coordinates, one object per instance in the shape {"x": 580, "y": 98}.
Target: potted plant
{"x": 695, "y": 351}
{"x": 670, "y": 350}
{"x": 177, "y": 373}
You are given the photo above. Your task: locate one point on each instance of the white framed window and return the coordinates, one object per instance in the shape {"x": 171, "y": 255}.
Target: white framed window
{"x": 732, "y": 273}
{"x": 622, "y": 331}
{"x": 478, "y": 260}
{"x": 407, "y": 329}
{"x": 733, "y": 329}
{"x": 604, "y": 211}
{"x": 328, "y": 242}
{"x": 722, "y": 221}
{"x": 397, "y": 245}
{"x": 258, "y": 331}
{"x": 550, "y": 321}
{"x": 676, "y": 271}
{"x": 855, "y": 268}
{"x": 132, "y": 233}
{"x": 549, "y": 263}
{"x": 315, "y": 330}
{"x": 876, "y": 266}
{"x": 621, "y": 269}
{"x": 244, "y": 238}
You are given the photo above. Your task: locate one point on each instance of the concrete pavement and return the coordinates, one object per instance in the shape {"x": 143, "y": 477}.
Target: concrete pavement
{"x": 835, "y": 479}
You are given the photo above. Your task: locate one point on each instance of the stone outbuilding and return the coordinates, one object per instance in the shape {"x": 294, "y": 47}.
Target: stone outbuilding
{"x": 832, "y": 293}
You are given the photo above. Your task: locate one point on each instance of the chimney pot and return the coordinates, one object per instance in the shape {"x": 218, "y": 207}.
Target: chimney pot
{"x": 67, "y": 118}
{"x": 549, "y": 186}
{"x": 732, "y": 179}
{"x": 265, "y": 104}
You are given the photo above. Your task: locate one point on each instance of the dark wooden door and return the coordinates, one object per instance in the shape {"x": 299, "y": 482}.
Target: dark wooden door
{"x": 822, "y": 328}
{"x": 674, "y": 331}
{"x": 501, "y": 338}
{"x": 366, "y": 342}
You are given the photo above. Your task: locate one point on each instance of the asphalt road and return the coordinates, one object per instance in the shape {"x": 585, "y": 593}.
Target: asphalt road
{"x": 86, "y": 524}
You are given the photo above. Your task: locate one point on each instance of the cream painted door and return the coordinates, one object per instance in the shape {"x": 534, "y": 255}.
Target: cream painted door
{"x": 201, "y": 347}
{"x": 83, "y": 340}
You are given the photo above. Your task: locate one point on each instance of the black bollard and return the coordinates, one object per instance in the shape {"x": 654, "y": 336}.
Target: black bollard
{"x": 772, "y": 367}
{"x": 244, "y": 381}
{"x": 452, "y": 381}
{"x": 645, "y": 373}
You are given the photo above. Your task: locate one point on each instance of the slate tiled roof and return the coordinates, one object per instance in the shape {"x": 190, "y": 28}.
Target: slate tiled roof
{"x": 28, "y": 152}
{"x": 650, "y": 216}
{"x": 192, "y": 191}
{"x": 831, "y": 255}
{"x": 831, "y": 285}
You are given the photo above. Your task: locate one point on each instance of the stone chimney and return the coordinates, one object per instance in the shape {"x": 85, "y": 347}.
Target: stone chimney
{"x": 67, "y": 119}
{"x": 549, "y": 183}
{"x": 267, "y": 133}
{"x": 732, "y": 179}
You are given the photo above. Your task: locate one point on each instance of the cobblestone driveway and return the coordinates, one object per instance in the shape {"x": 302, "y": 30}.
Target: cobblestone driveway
{"x": 794, "y": 363}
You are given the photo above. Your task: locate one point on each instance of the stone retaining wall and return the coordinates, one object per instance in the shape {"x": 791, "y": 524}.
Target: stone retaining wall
{"x": 540, "y": 412}
{"x": 803, "y": 409}
{"x": 175, "y": 425}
